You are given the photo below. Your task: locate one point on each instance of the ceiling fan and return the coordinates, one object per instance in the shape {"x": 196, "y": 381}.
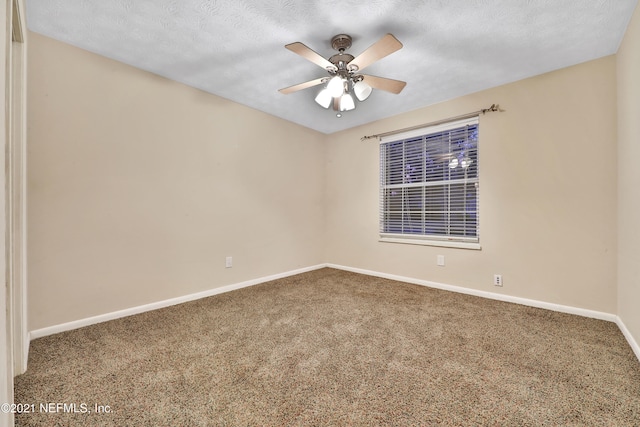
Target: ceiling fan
{"x": 344, "y": 72}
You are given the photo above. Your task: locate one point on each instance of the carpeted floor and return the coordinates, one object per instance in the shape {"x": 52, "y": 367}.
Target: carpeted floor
{"x": 330, "y": 347}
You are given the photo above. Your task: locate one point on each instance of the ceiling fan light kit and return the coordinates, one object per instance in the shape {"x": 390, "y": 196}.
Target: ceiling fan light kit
{"x": 344, "y": 79}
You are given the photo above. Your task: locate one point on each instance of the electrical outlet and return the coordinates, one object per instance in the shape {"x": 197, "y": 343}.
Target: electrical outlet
{"x": 228, "y": 263}
{"x": 497, "y": 279}
{"x": 440, "y": 260}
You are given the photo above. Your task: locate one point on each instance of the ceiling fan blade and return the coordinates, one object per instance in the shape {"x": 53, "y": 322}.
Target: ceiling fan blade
{"x": 310, "y": 55}
{"x": 382, "y": 83}
{"x": 300, "y": 86}
{"x": 383, "y": 47}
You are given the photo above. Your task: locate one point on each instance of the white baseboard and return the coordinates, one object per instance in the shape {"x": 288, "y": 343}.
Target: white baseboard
{"x": 627, "y": 334}
{"x": 517, "y": 300}
{"x": 484, "y": 294}
{"x": 50, "y": 330}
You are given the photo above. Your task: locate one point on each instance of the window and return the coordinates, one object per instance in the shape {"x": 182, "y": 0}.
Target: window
{"x": 429, "y": 188}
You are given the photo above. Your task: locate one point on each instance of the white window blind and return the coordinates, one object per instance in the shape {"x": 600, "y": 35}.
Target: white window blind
{"x": 429, "y": 187}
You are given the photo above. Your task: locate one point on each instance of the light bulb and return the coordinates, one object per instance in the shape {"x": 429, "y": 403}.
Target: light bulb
{"x": 453, "y": 163}
{"x": 335, "y": 86}
{"x": 346, "y": 102}
{"x": 362, "y": 90}
{"x": 324, "y": 98}
{"x": 466, "y": 162}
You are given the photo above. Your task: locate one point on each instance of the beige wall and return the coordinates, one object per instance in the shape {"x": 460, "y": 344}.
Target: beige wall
{"x": 629, "y": 178}
{"x": 139, "y": 187}
{"x": 548, "y": 192}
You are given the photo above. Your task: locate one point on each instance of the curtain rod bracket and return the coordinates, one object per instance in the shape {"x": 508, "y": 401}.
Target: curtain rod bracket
{"x": 494, "y": 107}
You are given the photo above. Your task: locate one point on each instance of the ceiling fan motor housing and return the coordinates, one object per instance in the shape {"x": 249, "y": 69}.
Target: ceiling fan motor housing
{"x": 341, "y": 42}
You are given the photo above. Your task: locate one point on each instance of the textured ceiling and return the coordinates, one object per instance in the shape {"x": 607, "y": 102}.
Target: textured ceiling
{"x": 235, "y": 48}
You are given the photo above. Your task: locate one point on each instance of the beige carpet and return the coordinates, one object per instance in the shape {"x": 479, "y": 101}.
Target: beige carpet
{"x": 336, "y": 348}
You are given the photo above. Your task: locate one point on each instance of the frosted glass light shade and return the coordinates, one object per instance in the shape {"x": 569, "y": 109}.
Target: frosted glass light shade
{"x": 335, "y": 86}
{"x": 362, "y": 90}
{"x": 346, "y": 102}
{"x": 324, "y": 98}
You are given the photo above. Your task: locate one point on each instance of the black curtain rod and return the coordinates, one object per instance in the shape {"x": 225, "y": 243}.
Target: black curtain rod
{"x": 494, "y": 107}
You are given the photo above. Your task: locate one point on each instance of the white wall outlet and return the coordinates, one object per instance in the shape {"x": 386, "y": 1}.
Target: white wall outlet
{"x": 497, "y": 279}
{"x": 228, "y": 263}
{"x": 440, "y": 260}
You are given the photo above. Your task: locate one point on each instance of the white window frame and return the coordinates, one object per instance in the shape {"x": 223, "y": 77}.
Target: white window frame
{"x": 468, "y": 242}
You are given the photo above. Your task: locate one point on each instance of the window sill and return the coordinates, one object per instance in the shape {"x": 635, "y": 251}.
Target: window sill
{"x": 439, "y": 243}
